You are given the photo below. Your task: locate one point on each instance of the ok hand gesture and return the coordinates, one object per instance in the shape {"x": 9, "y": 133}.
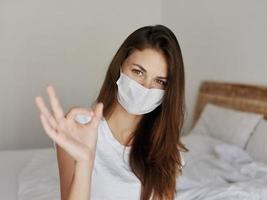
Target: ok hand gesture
{"x": 79, "y": 140}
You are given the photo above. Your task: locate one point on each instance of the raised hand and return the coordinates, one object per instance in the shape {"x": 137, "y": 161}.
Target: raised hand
{"x": 79, "y": 140}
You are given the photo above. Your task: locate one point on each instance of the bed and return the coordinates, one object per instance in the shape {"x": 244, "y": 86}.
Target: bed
{"x": 227, "y": 144}
{"x": 29, "y": 174}
{"x": 215, "y": 168}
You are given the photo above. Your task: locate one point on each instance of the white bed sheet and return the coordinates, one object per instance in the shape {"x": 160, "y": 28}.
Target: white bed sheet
{"x": 32, "y": 174}
{"x": 39, "y": 179}
{"x": 209, "y": 176}
{"x": 12, "y": 163}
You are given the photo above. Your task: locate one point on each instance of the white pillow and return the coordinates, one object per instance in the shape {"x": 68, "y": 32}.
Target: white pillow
{"x": 199, "y": 144}
{"x": 229, "y": 125}
{"x": 232, "y": 153}
{"x": 257, "y": 144}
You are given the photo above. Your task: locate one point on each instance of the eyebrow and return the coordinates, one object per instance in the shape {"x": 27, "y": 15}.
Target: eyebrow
{"x": 143, "y": 69}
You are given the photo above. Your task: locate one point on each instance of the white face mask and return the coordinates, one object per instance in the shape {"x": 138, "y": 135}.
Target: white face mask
{"x": 135, "y": 98}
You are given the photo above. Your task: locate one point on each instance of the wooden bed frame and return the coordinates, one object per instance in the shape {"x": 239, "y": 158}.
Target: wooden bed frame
{"x": 243, "y": 97}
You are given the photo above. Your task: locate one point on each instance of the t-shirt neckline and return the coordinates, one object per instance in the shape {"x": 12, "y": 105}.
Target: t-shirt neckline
{"x": 111, "y": 137}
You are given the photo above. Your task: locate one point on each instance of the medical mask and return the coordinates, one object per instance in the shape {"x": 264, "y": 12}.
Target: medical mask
{"x": 135, "y": 98}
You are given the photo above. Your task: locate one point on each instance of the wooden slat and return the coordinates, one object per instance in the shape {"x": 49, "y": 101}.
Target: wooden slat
{"x": 243, "y": 97}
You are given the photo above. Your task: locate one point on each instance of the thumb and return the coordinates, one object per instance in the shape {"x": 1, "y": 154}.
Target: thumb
{"x": 97, "y": 115}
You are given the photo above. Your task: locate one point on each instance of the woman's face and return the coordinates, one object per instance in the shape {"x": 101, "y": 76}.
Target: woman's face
{"x": 148, "y": 67}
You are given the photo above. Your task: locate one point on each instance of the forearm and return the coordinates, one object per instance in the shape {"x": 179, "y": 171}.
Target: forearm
{"x": 81, "y": 184}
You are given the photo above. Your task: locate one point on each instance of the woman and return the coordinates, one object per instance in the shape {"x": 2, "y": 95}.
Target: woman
{"x": 139, "y": 111}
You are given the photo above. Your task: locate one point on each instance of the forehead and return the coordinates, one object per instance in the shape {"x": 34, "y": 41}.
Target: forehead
{"x": 153, "y": 61}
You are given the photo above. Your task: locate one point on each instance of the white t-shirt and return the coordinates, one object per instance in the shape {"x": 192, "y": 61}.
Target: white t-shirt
{"x": 112, "y": 178}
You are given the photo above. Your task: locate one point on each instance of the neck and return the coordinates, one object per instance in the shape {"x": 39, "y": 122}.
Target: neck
{"x": 122, "y": 123}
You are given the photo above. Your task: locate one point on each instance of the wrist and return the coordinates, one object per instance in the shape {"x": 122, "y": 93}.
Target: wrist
{"x": 86, "y": 160}
{"x": 85, "y": 164}
{"x": 83, "y": 170}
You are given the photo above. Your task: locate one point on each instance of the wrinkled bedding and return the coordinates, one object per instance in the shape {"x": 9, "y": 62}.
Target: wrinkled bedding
{"x": 214, "y": 171}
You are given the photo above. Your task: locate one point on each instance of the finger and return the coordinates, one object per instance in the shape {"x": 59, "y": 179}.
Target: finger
{"x": 75, "y": 111}
{"x": 55, "y": 136}
{"x": 72, "y": 147}
{"x": 55, "y": 104}
{"x": 98, "y": 112}
{"x": 48, "y": 129}
{"x": 44, "y": 110}
{"x": 67, "y": 114}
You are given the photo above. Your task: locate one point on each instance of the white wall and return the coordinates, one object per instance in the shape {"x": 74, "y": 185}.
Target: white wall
{"x": 66, "y": 43}
{"x": 220, "y": 40}
{"x": 70, "y": 43}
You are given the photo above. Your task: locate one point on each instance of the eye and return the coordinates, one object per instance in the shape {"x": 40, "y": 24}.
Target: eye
{"x": 161, "y": 82}
{"x": 136, "y": 71}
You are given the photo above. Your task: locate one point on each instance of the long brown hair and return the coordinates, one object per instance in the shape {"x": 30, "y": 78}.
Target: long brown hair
{"x": 155, "y": 151}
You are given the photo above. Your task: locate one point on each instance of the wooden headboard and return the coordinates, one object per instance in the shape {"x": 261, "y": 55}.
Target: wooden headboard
{"x": 243, "y": 97}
